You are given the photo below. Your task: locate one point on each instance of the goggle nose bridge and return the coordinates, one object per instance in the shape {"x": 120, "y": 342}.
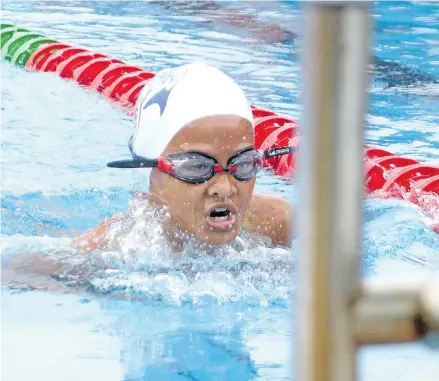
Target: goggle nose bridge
{"x": 218, "y": 168}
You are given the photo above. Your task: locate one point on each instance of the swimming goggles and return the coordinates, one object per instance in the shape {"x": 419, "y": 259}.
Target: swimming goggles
{"x": 196, "y": 167}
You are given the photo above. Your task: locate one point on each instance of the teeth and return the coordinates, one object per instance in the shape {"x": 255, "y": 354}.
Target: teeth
{"x": 224, "y": 218}
{"x": 219, "y": 210}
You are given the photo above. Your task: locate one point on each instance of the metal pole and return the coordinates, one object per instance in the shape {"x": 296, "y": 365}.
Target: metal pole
{"x": 330, "y": 172}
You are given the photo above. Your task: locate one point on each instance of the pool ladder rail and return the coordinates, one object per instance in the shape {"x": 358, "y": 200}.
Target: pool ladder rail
{"x": 338, "y": 312}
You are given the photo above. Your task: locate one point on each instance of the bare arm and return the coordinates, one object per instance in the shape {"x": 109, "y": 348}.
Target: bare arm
{"x": 271, "y": 216}
{"x": 38, "y": 270}
{"x": 97, "y": 237}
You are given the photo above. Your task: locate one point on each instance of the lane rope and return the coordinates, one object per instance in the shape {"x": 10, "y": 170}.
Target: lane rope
{"x": 386, "y": 175}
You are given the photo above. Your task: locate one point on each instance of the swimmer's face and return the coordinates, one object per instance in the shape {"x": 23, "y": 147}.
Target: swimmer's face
{"x": 211, "y": 211}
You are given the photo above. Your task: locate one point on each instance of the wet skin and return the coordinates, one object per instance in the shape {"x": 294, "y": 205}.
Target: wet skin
{"x": 189, "y": 205}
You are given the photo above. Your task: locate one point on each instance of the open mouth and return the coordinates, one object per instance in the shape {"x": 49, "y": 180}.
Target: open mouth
{"x": 221, "y": 217}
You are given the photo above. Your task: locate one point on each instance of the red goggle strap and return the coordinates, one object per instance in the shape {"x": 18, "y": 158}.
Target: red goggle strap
{"x": 164, "y": 166}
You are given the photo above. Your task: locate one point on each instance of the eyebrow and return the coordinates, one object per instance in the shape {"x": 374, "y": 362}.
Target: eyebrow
{"x": 248, "y": 148}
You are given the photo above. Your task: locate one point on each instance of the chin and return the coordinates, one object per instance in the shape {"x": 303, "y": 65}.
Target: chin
{"x": 218, "y": 238}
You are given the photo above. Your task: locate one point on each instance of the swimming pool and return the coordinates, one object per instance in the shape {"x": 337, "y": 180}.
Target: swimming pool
{"x": 200, "y": 318}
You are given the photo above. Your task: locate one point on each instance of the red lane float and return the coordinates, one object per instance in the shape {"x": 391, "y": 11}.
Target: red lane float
{"x": 66, "y": 68}
{"x": 386, "y": 174}
{"x": 35, "y": 62}
{"x": 59, "y": 56}
{"x": 377, "y": 170}
{"x": 91, "y": 69}
{"x": 126, "y": 82}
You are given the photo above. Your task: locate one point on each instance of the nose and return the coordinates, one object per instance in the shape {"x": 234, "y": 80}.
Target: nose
{"x": 222, "y": 186}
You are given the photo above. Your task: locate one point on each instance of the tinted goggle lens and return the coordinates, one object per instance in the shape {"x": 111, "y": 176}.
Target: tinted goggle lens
{"x": 195, "y": 167}
{"x": 246, "y": 165}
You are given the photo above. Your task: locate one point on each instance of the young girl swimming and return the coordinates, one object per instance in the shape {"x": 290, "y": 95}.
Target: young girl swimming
{"x": 194, "y": 144}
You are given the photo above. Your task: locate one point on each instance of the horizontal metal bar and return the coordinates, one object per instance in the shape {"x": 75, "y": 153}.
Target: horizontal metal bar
{"x": 396, "y": 313}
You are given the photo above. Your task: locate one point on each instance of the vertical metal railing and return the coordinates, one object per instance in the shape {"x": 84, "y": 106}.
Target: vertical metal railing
{"x": 337, "y": 313}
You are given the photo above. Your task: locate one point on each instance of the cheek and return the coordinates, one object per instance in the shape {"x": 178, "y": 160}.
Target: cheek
{"x": 184, "y": 200}
{"x": 246, "y": 188}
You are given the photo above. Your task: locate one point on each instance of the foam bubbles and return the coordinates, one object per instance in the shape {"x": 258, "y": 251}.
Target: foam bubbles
{"x": 140, "y": 264}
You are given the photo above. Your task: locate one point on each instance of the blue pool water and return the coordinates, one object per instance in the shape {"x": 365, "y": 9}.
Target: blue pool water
{"x": 199, "y": 318}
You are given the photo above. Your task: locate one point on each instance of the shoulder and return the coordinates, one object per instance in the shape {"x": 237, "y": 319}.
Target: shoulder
{"x": 270, "y": 200}
{"x": 272, "y": 206}
{"x": 96, "y": 237}
{"x": 270, "y": 215}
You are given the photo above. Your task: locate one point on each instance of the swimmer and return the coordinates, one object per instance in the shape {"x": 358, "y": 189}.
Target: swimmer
{"x": 194, "y": 143}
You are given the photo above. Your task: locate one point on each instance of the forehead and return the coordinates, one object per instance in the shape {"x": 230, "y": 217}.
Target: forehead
{"x": 215, "y": 133}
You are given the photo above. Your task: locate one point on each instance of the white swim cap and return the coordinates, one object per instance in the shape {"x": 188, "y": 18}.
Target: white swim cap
{"x": 175, "y": 97}
{"x": 178, "y": 96}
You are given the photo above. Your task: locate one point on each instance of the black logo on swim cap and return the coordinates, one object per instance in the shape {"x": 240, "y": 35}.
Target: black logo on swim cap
{"x": 161, "y": 97}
